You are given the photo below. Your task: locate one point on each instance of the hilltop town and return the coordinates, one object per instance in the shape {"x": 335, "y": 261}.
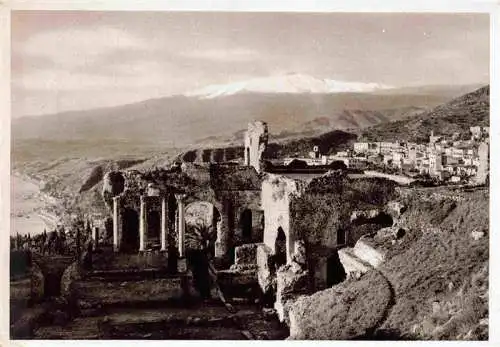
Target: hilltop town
{"x": 462, "y": 158}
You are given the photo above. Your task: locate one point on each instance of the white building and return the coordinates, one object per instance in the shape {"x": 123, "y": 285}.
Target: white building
{"x": 476, "y": 132}
{"x": 361, "y": 147}
{"x": 435, "y": 163}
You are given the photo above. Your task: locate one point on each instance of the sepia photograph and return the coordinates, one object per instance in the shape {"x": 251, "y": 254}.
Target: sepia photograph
{"x": 239, "y": 175}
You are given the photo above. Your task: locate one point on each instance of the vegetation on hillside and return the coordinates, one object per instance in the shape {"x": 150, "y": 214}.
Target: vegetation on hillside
{"x": 458, "y": 115}
{"x": 438, "y": 272}
{"x": 328, "y": 143}
{"x": 349, "y": 310}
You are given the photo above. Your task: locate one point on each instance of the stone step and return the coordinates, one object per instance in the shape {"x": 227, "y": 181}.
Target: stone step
{"x": 121, "y": 275}
{"x": 130, "y": 292}
{"x": 207, "y": 321}
{"x": 93, "y": 308}
{"x": 29, "y": 320}
{"x": 80, "y": 328}
{"x": 108, "y": 260}
{"x": 181, "y": 333}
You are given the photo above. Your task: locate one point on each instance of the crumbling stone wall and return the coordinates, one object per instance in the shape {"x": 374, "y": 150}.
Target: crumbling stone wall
{"x": 213, "y": 155}
{"x": 334, "y": 205}
{"x": 256, "y": 139}
{"x": 276, "y": 195}
{"x": 241, "y": 201}
{"x": 229, "y": 188}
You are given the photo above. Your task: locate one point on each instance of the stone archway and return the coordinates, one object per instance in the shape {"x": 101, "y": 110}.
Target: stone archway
{"x": 154, "y": 227}
{"x": 335, "y": 272}
{"x": 130, "y": 230}
{"x": 202, "y": 220}
{"x": 246, "y": 225}
{"x": 280, "y": 248}
{"x": 341, "y": 237}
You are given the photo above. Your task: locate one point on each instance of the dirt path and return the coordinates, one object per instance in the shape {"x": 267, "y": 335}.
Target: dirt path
{"x": 375, "y": 332}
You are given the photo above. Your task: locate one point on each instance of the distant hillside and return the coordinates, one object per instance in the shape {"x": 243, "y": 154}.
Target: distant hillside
{"x": 181, "y": 121}
{"x": 458, "y": 115}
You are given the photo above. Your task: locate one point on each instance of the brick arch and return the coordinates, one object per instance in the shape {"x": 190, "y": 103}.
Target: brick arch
{"x": 280, "y": 247}
{"x": 220, "y": 240}
{"x": 204, "y": 196}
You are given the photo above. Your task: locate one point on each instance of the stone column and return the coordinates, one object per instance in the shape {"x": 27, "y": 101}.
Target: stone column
{"x": 117, "y": 223}
{"x": 163, "y": 224}
{"x": 221, "y": 242}
{"x": 181, "y": 223}
{"x": 142, "y": 225}
{"x": 95, "y": 237}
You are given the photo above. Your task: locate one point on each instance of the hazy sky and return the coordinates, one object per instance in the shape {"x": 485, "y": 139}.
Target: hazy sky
{"x": 78, "y": 60}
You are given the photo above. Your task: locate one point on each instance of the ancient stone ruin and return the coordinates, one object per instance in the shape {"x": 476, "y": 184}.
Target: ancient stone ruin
{"x": 227, "y": 231}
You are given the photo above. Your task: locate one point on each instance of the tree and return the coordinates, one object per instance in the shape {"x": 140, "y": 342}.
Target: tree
{"x": 88, "y": 229}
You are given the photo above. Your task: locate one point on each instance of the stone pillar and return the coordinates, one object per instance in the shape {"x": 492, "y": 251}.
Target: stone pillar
{"x": 95, "y": 237}
{"x": 181, "y": 224}
{"x": 117, "y": 223}
{"x": 221, "y": 248}
{"x": 142, "y": 225}
{"x": 163, "y": 226}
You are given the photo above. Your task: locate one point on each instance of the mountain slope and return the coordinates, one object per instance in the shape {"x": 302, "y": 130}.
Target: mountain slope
{"x": 458, "y": 115}
{"x": 180, "y": 121}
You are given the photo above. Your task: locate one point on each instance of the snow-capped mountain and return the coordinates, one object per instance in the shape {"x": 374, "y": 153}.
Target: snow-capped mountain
{"x": 290, "y": 84}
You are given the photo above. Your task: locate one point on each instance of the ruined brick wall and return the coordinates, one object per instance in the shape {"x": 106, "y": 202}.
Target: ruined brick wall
{"x": 247, "y": 201}
{"x": 232, "y": 190}
{"x": 213, "y": 155}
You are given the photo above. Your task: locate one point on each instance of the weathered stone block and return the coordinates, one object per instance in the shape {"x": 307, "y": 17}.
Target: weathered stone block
{"x": 366, "y": 252}
{"x": 352, "y": 265}
{"x": 243, "y": 267}
{"x": 246, "y": 254}
{"x": 395, "y": 208}
{"x": 265, "y": 274}
{"x": 37, "y": 283}
{"x": 290, "y": 285}
{"x": 291, "y": 282}
{"x": 299, "y": 255}
{"x": 228, "y": 278}
{"x": 181, "y": 265}
{"x": 391, "y": 233}
{"x": 364, "y": 214}
{"x": 71, "y": 274}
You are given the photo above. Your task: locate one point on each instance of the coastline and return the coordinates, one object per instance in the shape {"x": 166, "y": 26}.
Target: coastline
{"x": 31, "y": 209}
